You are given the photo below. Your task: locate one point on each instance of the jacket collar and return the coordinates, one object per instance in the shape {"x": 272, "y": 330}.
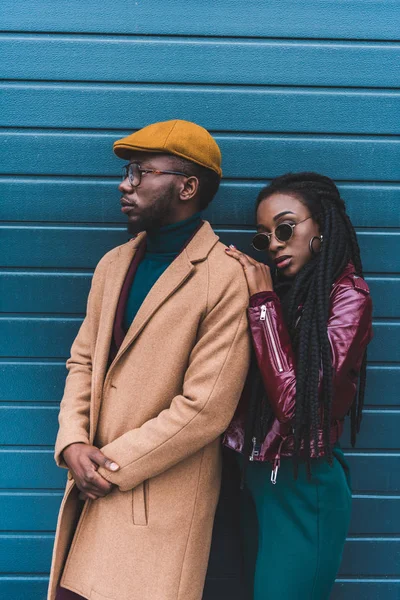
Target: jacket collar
{"x": 348, "y": 270}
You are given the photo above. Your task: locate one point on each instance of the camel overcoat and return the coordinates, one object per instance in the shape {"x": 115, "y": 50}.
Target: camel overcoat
{"x": 158, "y": 411}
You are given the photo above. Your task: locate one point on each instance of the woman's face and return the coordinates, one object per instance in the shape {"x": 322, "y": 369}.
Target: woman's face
{"x": 291, "y": 256}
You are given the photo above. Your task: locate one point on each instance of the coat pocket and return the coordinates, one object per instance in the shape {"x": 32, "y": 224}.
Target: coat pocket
{"x": 96, "y": 596}
{"x": 140, "y": 503}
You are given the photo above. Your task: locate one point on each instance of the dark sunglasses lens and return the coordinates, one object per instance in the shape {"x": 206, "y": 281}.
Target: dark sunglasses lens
{"x": 283, "y": 232}
{"x": 260, "y": 242}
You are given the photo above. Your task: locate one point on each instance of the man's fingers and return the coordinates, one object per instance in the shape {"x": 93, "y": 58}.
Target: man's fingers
{"x": 98, "y": 457}
{"x": 87, "y": 496}
{"x": 95, "y": 482}
{"x": 110, "y": 465}
{"x": 95, "y": 490}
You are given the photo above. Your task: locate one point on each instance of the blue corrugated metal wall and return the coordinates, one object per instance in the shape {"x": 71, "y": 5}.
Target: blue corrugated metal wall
{"x": 283, "y": 85}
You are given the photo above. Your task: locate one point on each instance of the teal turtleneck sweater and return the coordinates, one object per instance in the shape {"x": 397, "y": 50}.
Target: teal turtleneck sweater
{"x": 163, "y": 246}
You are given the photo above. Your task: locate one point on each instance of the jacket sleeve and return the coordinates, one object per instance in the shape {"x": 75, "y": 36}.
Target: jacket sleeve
{"x": 213, "y": 381}
{"x": 349, "y": 331}
{"x": 73, "y": 417}
{"x": 274, "y": 353}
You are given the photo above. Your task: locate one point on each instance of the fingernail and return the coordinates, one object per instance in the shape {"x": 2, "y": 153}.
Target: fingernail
{"x": 232, "y": 246}
{"x": 227, "y": 249}
{"x": 114, "y": 466}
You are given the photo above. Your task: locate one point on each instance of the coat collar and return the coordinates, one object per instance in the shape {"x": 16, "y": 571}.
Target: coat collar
{"x": 197, "y": 250}
{"x": 170, "y": 281}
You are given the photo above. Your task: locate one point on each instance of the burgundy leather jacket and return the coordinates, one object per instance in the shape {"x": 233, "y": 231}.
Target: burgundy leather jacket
{"x": 349, "y": 331}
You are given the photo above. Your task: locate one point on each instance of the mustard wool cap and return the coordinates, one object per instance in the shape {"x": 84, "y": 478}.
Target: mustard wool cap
{"x": 182, "y": 138}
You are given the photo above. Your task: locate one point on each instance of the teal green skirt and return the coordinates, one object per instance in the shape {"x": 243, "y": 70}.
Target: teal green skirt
{"x": 293, "y": 547}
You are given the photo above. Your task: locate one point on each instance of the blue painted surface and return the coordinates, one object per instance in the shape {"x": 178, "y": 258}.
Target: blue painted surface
{"x": 350, "y": 19}
{"x": 267, "y": 109}
{"x": 161, "y": 59}
{"x": 283, "y": 86}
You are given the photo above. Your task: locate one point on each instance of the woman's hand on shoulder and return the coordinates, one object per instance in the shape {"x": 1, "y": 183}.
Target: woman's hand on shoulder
{"x": 258, "y": 275}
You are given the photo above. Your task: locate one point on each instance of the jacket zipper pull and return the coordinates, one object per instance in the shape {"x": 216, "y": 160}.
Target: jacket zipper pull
{"x": 256, "y": 449}
{"x": 263, "y": 313}
{"x": 277, "y": 462}
{"x": 274, "y": 472}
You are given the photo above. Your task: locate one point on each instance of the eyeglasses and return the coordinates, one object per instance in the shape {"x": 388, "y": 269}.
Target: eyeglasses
{"x": 283, "y": 233}
{"x": 134, "y": 173}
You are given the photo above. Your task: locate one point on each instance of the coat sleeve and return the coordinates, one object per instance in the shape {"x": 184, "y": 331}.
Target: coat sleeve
{"x": 73, "y": 417}
{"x": 349, "y": 331}
{"x": 213, "y": 381}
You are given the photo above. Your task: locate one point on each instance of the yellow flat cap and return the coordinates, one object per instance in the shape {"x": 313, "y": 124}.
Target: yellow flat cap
{"x": 182, "y": 138}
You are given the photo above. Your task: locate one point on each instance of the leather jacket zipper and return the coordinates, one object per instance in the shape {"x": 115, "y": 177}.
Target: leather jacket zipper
{"x": 274, "y": 472}
{"x": 256, "y": 450}
{"x": 264, "y": 316}
{"x": 277, "y": 462}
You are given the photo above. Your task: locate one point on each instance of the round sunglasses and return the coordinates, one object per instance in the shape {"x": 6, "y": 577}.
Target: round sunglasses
{"x": 283, "y": 233}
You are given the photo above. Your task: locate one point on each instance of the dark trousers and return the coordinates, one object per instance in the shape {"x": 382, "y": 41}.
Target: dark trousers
{"x": 63, "y": 594}
{"x": 225, "y": 573}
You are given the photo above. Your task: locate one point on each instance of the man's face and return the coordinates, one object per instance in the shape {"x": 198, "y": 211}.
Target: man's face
{"x": 155, "y": 202}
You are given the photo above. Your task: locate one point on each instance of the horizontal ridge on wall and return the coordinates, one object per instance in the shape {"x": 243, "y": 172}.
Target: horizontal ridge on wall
{"x": 52, "y": 337}
{"x": 96, "y": 200}
{"x": 34, "y": 379}
{"x": 276, "y": 18}
{"x": 36, "y": 511}
{"x": 176, "y": 60}
{"x": 218, "y": 108}
{"x": 372, "y": 472}
{"x": 361, "y": 556}
{"x": 66, "y": 292}
{"x": 34, "y": 586}
{"x": 367, "y": 589}
{"x": 83, "y": 246}
{"x": 38, "y": 152}
{"x": 37, "y": 425}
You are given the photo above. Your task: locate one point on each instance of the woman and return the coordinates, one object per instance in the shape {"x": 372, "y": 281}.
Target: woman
{"x": 310, "y": 323}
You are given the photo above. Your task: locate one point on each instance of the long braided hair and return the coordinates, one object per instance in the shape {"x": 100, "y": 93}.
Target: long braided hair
{"x": 311, "y": 290}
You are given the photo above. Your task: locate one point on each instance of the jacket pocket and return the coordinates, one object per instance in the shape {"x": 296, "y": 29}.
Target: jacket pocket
{"x": 140, "y": 503}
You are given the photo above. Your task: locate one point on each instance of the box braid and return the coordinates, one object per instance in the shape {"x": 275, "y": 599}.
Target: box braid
{"x": 311, "y": 290}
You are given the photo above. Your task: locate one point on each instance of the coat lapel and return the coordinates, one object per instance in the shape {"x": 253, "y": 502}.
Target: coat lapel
{"x": 114, "y": 280}
{"x": 170, "y": 281}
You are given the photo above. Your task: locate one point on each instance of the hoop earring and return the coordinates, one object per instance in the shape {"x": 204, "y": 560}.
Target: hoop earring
{"x": 310, "y": 245}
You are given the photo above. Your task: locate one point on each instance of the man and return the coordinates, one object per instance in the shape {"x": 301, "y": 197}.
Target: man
{"x": 155, "y": 375}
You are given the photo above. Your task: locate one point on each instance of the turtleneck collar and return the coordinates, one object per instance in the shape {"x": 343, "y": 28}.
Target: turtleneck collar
{"x": 170, "y": 238}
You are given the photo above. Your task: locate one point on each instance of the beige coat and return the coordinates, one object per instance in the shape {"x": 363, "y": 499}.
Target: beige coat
{"x": 158, "y": 412}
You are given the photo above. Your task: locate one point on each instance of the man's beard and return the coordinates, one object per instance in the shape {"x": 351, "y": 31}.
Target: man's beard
{"x": 155, "y": 216}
